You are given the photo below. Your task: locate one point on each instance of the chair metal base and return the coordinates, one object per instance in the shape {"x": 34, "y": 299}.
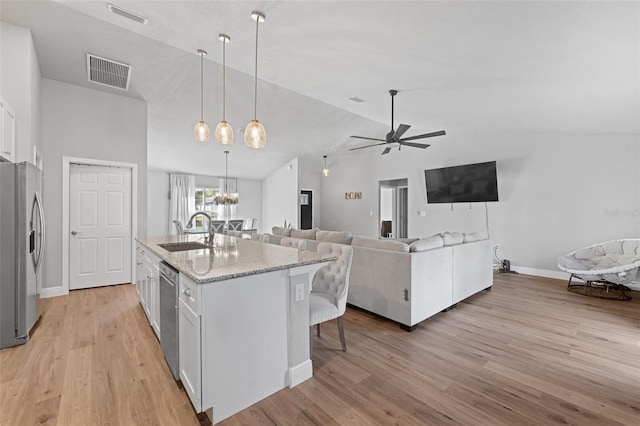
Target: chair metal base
{"x": 599, "y": 289}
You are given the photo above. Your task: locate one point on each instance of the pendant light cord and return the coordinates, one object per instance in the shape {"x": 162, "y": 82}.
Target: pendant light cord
{"x": 201, "y": 86}
{"x": 224, "y": 81}
{"x": 226, "y": 172}
{"x": 255, "y": 91}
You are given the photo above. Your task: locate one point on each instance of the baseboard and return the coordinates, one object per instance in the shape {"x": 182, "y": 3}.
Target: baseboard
{"x": 300, "y": 373}
{"x": 52, "y": 292}
{"x": 559, "y": 275}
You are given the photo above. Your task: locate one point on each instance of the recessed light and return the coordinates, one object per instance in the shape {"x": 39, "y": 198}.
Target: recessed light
{"x": 356, "y": 99}
{"x": 126, "y": 14}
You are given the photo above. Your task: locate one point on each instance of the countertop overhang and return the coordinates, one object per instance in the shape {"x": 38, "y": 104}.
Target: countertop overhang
{"x": 229, "y": 257}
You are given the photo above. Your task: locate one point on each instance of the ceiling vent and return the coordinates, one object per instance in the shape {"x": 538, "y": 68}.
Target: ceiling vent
{"x": 126, "y": 14}
{"x": 107, "y": 72}
{"x": 356, "y": 99}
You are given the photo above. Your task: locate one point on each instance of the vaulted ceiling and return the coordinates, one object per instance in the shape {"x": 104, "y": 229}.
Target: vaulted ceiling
{"x": 467, "y": 67}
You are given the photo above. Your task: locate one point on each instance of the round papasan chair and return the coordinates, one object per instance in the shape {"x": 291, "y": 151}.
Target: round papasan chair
{"x": 608, "y": 269}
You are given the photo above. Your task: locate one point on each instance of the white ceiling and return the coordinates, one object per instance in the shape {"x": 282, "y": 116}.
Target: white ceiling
{"x": 467, "y": 67}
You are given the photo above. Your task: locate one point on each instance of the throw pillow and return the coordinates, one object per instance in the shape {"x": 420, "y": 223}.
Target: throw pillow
{"x": 334, "y": 237}
{"x": 452, "y": 238}
{"x": 287, "y": 232}
{"x": 277, "y": 230}
{"x": 429, "y": 243}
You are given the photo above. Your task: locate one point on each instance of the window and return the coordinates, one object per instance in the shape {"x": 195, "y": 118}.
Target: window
{"x": 204, "y": 203}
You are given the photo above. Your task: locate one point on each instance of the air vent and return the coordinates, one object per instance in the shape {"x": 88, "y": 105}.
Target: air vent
{"x": 356, "y": 99}
{"x": 107, "y": 72}
{"x": 126, "y": 14}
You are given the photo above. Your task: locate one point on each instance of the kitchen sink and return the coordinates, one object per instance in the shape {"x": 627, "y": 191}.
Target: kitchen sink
{"x": 183, "y": 246}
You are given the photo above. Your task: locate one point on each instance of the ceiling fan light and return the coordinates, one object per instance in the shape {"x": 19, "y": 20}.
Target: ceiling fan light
{"x": 201, "y": 131}
{"x": 224, "y": 133}
{"x": 255, "y": 135}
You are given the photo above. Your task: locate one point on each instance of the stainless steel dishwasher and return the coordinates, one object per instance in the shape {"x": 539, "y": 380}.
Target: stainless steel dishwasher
{"x": 169, "y": 286}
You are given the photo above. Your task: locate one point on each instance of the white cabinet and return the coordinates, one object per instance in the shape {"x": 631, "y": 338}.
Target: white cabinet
{"x": 189, "y": 332}
{"x": 148, "y": 285}
{"x": 7, "y": 131}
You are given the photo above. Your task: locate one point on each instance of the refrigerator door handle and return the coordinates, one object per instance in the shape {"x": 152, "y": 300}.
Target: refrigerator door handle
{"x": 41, "y": 240}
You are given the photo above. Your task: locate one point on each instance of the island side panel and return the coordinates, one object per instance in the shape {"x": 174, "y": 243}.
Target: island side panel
{"x": 300, "y": 366}
{"x": 244, "y": 341}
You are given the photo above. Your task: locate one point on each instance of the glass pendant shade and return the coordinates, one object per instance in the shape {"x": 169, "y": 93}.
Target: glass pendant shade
{"x": 254, "y": 135}
{"x": 224, "y": 133}
{"x": 201, "y": 131}
{"x": 325, "y": 171}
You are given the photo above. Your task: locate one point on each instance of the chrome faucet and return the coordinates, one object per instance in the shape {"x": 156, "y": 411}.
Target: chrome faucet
{"x": 211, "y": 230}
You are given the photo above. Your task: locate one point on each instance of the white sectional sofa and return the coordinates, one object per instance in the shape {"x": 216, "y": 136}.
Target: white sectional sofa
{"x": 409, "y": 283}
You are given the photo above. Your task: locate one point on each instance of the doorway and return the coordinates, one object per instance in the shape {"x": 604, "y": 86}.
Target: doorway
{"x": 306, "y": 209}
{"x": 98, "y": 223}
{"x": 393, "y": 208}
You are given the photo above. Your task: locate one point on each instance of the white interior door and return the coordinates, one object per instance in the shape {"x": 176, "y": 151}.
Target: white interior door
{"x": 100, "y": 226}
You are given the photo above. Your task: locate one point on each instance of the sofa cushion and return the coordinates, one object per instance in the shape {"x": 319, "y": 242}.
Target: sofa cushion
{"x": 334, "y": 237}
{"x": 452, "y": 238}
{"x": 429, "y": 243}
{"x": 286, "y": 232}
{"x": 407, "y": 240}
{"x": 307, "y": 234}
{"x": 473, "y": 236}
{"x": 277, "y": 230}
{"x": 390, "y": 245}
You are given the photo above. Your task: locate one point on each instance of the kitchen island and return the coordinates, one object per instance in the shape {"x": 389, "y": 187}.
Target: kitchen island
{"x": 243, "y": 318}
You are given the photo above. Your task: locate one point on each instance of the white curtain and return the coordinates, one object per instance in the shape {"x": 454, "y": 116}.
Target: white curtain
{"x": 183, "y": 201}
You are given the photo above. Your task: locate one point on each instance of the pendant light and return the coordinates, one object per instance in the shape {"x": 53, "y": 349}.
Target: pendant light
{"x": 201, "y": 130}
{"x": 254, "y": 134}
{"x": 229, "y": 198}
{"x": 325, "y": 171}
{"x": 224, "y": 132}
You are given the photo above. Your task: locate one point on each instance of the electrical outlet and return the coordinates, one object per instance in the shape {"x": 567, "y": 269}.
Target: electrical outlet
{"x": 496, "y": 247}
{"x": 299, "y": 292}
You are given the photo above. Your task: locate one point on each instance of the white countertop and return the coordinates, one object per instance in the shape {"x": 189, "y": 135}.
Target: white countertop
{"x": 229, "y": 257}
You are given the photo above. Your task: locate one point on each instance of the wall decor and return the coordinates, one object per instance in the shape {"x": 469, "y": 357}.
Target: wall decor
{"x": 353, "y": 195}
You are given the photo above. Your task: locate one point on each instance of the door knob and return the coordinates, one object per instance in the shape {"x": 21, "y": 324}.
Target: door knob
{"x": 74, "y": 232}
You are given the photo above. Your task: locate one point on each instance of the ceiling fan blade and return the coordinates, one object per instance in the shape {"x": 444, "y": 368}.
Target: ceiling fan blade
{"x": 402, "y": 129}
{"x": 386, "y": 151}
{"x": 369, "y": 139}
{"x": 367, "y": 146}
{"x": 426, "y": 135}
{"x": 415, "y": 145}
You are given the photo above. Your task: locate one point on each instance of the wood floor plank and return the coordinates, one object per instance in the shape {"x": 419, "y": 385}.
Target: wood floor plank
{"x": 527, "y": 352}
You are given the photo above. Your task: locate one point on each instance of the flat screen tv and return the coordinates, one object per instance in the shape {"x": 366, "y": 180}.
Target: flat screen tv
{"x": 462, "y": 184}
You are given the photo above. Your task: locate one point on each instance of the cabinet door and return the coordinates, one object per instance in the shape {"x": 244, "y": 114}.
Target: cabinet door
{"x": 189, "y": 354}
{"x": 155, "y": 299}
{"x": 147, "y": 291}
{"x": 7, "y": 132}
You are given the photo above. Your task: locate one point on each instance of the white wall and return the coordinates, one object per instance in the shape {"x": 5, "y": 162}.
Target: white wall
{"x": 249, "y": 193}
{"x": 556, "y": 191}
{"x": 20, "y": 86}
{"x": 280, "y": 196}
{"x": 85, "y": 123}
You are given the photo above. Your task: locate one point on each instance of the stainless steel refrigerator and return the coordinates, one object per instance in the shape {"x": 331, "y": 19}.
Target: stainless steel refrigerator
{"x": 21, "y": 249}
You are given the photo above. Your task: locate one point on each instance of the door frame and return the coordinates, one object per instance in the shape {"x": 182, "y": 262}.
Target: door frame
{"x": 313, "y": 208}
{"x": 66, "y": 167}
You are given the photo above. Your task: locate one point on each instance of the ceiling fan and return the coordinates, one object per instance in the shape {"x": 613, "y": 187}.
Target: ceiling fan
{"x": 395, "y": 136}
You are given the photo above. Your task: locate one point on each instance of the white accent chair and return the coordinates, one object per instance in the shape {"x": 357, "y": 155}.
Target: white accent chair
{"x": 329, "y": 289}
{"x": 604, "y": 266}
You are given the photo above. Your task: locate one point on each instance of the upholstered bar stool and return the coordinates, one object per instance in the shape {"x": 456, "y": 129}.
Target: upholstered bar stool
{"x": 328, "y": 298}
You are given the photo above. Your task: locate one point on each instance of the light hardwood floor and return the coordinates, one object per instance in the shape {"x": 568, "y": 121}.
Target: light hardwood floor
{"x": 527, "y": 352}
